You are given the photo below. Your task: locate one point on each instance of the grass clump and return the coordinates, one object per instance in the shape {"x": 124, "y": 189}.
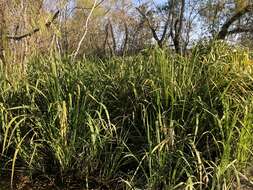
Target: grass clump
{"x": 156, "y": 120}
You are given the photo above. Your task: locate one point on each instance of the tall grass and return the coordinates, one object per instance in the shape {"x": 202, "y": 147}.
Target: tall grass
{"x": 151, "y": 121}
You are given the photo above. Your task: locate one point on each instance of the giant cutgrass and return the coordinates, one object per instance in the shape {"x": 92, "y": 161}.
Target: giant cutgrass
{"x": 155, "y": 120}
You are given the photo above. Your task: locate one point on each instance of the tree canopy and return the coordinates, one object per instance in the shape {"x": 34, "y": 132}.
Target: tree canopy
{"x": 109, "y": 27}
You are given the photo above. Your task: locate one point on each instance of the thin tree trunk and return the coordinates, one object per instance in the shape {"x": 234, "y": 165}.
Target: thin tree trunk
{"x": 2, "y": 33}
{"x": 106, "y": 38}
{"x": 178, "y": 29}
{"x": 113, "y": 38}
{"x": 126, "y": 39}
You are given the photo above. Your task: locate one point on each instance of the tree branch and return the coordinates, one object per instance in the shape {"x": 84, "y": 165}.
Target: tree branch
{"x": 224, "y": 29}
{"x": 149, "y": 24}
{"x": 74, "y": 54}
{"x": 35, "y": 30}
{"x": 240, "y": 30}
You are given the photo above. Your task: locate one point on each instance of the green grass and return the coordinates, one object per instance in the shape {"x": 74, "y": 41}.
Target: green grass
{"x": 151, "y": 121}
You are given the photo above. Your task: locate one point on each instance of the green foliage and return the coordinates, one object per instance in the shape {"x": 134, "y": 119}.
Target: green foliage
{"x": 153, "y": 121}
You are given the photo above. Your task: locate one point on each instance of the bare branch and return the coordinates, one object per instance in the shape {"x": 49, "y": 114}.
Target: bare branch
{"x": 89, "y": 8}
{"x": 240, "y": 30}
{"x": 85, "y": 8}
{"x": 153, "y": 30}
{"x": 224, "y": 29}
{"x": 48, "y": 24}
{"x": 74, "y": 54}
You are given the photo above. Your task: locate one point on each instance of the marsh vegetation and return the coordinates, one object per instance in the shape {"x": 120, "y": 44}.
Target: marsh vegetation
{"x": 126, "y": 94}
{"x": 156, "y": 120}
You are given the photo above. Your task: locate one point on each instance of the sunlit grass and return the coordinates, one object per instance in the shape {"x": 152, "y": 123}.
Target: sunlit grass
{"x": 151, "y": 121}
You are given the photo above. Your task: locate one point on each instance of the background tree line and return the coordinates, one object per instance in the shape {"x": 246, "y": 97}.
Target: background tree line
{"x": 117, "y": 27}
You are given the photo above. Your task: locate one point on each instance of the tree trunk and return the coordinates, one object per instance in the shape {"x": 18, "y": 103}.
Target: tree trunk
{"x": 2, "y": 32}
{"x": 114, "y": 46}
{"x": 124, "y": 49}
{"x": 178, "y": 29}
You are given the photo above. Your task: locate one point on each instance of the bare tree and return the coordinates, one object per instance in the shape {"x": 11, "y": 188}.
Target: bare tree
{"x": 224, "y": 18}
{"x": 235, "y": 17}
{"x": 172, "y": 16}
{"x": 159, "y": 40}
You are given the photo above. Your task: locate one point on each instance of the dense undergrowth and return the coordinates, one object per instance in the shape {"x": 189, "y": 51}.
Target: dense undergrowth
{"x": 152, "y": 121}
